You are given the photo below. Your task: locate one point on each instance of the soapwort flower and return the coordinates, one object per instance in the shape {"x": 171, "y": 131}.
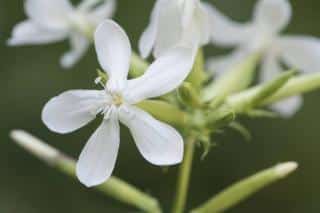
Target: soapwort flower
{"x": 56, "y": 20}
{"x": 159, "y": 143}
{"x": 173, "y": 23}
{"x": 262, "y": 35}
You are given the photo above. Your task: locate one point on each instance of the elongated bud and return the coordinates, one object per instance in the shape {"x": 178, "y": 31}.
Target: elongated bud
{"x": 248, "y": 99}
{"x": 236, "y": 79}
{"x": 188, "y": 95}
{"x": 296, "y": 86}
{"x": 165, "y": 112}
{"x": 35, "y": 146}
{"x": 114, "y": 187}
{"x": 246, "y": 188}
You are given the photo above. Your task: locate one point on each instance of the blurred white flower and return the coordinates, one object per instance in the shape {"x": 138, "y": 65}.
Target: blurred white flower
{"x": 56, "y": 20}
{"x": 159, "y": 143}
{"x": 262, "y": 35}
{"x": 173, "y": 23}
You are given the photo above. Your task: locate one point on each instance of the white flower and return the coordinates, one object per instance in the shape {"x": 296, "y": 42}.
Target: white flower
{"x": 159, "y": 143}
{"x": 56, "y": 20}
{"x": 173, "y": 23}
{"x": 263, "y": 35}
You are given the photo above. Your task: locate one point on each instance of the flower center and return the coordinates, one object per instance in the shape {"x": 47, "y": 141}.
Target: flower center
{"x": 117, "y": 100}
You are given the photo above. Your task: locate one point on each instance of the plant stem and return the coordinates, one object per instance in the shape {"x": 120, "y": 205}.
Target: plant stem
{"x": 184, "y": 177}
{"x": 114, "y": 187}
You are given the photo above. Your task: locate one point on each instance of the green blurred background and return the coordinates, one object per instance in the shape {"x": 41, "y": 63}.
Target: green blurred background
{"x": 32, "y": 75}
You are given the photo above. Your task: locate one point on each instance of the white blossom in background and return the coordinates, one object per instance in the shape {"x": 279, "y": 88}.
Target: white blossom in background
{"x": 57, "y": 20}
{"x": 173, "y": 23}
{"x": 262, "y": 35}
{"x": 159, "y": 143}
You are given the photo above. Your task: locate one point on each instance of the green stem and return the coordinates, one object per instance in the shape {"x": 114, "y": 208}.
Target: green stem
{"x": 114, "y": 187}
{"x": 184, "y": 177}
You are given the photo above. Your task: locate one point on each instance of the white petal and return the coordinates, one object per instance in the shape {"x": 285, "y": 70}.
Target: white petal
{"x": 273, "y": 15}
{"x": 301, "y": 52}
{"x": 189, "y": 7}
{"x": 98, "y": 157}
{"x": 72, "y": 110}
{"x": 28, "y": 32}
{"x": 224, "y": 31}
{"x": 113, "y": 50}
{"x": 159, "y": 143}
{"x": 149, "y": 36}
{"x": 270, "y": 68}
{"x": 103, "y": 11}
{"x": 49, "y": 13}
{"x": 197, "y": 32}
{"x": 79, "y": 45}
{"x": 288, "y": 107}
{"x": 164, "y": 75}
{"x": 218, "y": 65}
{"x": 169, "y": 28}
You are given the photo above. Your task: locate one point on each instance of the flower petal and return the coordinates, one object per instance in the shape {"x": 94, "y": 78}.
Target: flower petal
{"x": 271, "y": 67}
{"x": 197, "y": 32}
{"x": 226, "y": 32}
{"x": 170, "y": 28}
{"x": 72, "y": 109}
{"x": 28, "y": 32}
{"x": 163, "y": 76}
{"x": 98, "y": 157}
{"x": 189, "y": 7}
{"x": 114, "y": 50}
{"x": 159, "y": 143}
{"x": 301, "y": 52}
{"x": 288, "y": 107}
{"x": 48, "y": 13}
{"x": 272, "y": 15}
{"x": 218, "y": 65}
{"x": 149, "y": 36}
{"x": 79, "y": 45}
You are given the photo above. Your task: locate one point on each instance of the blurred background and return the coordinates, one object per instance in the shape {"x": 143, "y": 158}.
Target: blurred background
{"x": 32, "y": 75}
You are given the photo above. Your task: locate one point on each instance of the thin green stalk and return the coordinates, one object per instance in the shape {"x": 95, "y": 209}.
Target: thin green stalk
{"x": 184, "y": 177}
{"x": 114, "y": 187}
{"x": 245, "y": 188}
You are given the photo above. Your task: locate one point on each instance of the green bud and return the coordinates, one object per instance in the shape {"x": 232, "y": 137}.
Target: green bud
{"x": 259, "y": 113}
{"x": 246, "y": 188}
{"x": 236, "y": 79}
{"x": 251, "y": 98}
{"x": 165, "y": 112}
{"x": 188, "y": 95}
{"x": 296, "y": 86}
{"x": 138, "y": 66}
{"x": 197, "y": 76}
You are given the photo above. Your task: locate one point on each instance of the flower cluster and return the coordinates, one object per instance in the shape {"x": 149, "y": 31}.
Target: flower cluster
{"x": 176, "y": 32}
